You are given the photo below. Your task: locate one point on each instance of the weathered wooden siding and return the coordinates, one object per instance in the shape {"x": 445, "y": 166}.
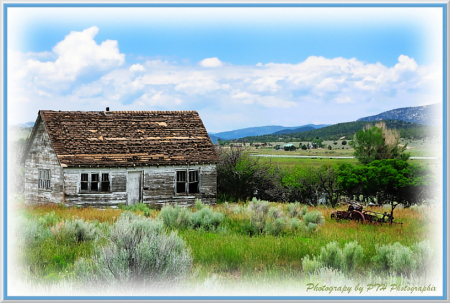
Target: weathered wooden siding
{"x": 73, "y": 195}
{"x": 208, "y": 184}
{"x": 43, "y": 156}
{"x": 159, "y": 185}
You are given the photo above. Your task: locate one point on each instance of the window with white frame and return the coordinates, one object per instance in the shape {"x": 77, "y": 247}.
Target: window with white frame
{"x": 44, "y": 179}
{"x": 187, "y": 181}
{"x": 95, "y": 182}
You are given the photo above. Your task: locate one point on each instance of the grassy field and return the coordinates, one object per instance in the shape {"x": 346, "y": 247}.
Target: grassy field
{"x": 289, "y": 162}
{"x": 228, "y": 251}
{"x": 417, "y": 148}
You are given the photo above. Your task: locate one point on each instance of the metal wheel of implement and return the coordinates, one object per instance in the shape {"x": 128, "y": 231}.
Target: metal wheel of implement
{"x": 358, "y": 216}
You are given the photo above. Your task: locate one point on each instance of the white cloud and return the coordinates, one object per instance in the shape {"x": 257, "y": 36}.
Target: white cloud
{"x": 52, "y": 80}
{"x": 210, "y": 62}
{"x": 42, "y": 93}
{"x": 137, "y": 68}
{"x": 76, "y": 53}
{"x": 158, "y": 99}
{"x": 343, "y": 100}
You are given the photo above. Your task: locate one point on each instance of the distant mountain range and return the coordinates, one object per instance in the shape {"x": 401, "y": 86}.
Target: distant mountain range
{"x": 258, "y": 131}
{"x": 295, "y": 130}
{"x": 418, "y": 114}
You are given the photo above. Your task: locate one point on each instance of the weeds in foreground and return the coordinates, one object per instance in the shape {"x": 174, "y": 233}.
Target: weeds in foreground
{"x": 283, "y": 248}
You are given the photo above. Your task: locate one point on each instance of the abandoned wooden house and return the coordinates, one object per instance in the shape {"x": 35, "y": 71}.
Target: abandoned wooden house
{"x": 105, "y": 158}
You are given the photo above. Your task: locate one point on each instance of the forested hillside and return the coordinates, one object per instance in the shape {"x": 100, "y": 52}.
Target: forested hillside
{"x": 347, "y": 129}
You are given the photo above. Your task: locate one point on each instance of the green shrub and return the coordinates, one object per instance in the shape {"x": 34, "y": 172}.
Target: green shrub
{"x": 295, "y": 223}
{"x": 315, "y": 217}
{"x": 258, "y": 214}
{"x": 80, "y": 230}
{"x": 49, "y": 219}
{"x": 382, "y": 259}
{"x": 394, "y": 258}
{"x": 294, "y": 210}
{"x": 135, "y": 207}
{"x": 423, "y": 254}
{"x": 207, "y": 219}
{"x": 403, "y": 262}
{"x": 309, "y": 227}
{"x": 331, "y": 255}
{"x": 275, "y": 213}
{"x": 176, "y": 216}
{"x": 199, "y": 205}
{"x": 138, "y": 253}
{"x": 310, "y": 265}
{"x": 274, "y": 227}
{"x": 352, "y": 256}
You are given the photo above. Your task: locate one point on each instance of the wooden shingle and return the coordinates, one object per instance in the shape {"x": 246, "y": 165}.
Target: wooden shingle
{"x": 128, "y": 138}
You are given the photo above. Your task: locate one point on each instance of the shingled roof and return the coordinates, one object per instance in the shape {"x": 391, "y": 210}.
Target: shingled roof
{"x": 128, "y": 138}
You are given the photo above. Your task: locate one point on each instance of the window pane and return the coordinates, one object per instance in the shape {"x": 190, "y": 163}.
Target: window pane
{"x": 181, "y": 187}
{"x": 105, "y": 186}
{"x": 84, "y": 177}
{"x": 94, "y": 177}
{"x": 193, "y": 188}
{"x": 94, "y": 186}
{"x": 84, "y": 186}
{"x": 181, "y": 176}
{"x": 193, "y": 176}
{"x": 105, "y": 177}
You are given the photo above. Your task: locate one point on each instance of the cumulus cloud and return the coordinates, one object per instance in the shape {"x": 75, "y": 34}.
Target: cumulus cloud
{"x": 210, "y": 62}
{"x": 76, "y": 53}
{"x": 137, "y": 68}
{"x": 303, "y": 89}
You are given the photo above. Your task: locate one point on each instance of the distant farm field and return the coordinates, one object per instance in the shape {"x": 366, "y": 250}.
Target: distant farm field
{"x": 429, "y": 147}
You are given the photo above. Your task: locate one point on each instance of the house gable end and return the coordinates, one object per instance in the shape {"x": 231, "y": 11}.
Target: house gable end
{"x": 43, "y": 172}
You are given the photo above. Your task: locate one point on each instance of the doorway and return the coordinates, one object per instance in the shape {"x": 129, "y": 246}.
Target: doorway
{"x": 134, "y": 187}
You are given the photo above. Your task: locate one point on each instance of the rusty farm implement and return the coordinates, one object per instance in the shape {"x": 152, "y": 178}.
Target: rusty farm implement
{"x": 355, "y": 212}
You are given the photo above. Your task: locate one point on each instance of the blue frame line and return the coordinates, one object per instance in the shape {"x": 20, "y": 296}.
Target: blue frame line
{"x": 444, "y": 156}
{"x": 220, "y": 298}
{"x": 111, "y": 5}
{"x": 5, "y": 154}
{"x": 224, "y": 5}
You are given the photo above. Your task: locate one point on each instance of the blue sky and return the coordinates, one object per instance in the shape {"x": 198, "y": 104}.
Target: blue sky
{"x": 239, "y": 67}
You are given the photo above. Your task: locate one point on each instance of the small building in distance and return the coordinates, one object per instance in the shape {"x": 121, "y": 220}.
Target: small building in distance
{"x": 106, "y": 158}
{"x": 289, "y": 146}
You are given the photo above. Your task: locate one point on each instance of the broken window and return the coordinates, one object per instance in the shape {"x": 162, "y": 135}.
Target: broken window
{"x": 193, "y": 182}
{"x": 84, "y": 182}
{"x": 44, "y": 178}
{"x": 105, "y": 182}
{"x": 181, "y": 182}
{"x": 92, "y": 182}
{"x": 187, "y": 181}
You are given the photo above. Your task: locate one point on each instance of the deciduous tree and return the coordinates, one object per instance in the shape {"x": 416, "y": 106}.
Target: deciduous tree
{"x": 377, "y": 143}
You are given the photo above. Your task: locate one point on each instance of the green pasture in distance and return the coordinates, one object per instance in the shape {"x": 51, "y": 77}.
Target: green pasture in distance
{"x": 429, "y": 147}
{"x": 333, "y": 162}
{"x": 307, "y": 162}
